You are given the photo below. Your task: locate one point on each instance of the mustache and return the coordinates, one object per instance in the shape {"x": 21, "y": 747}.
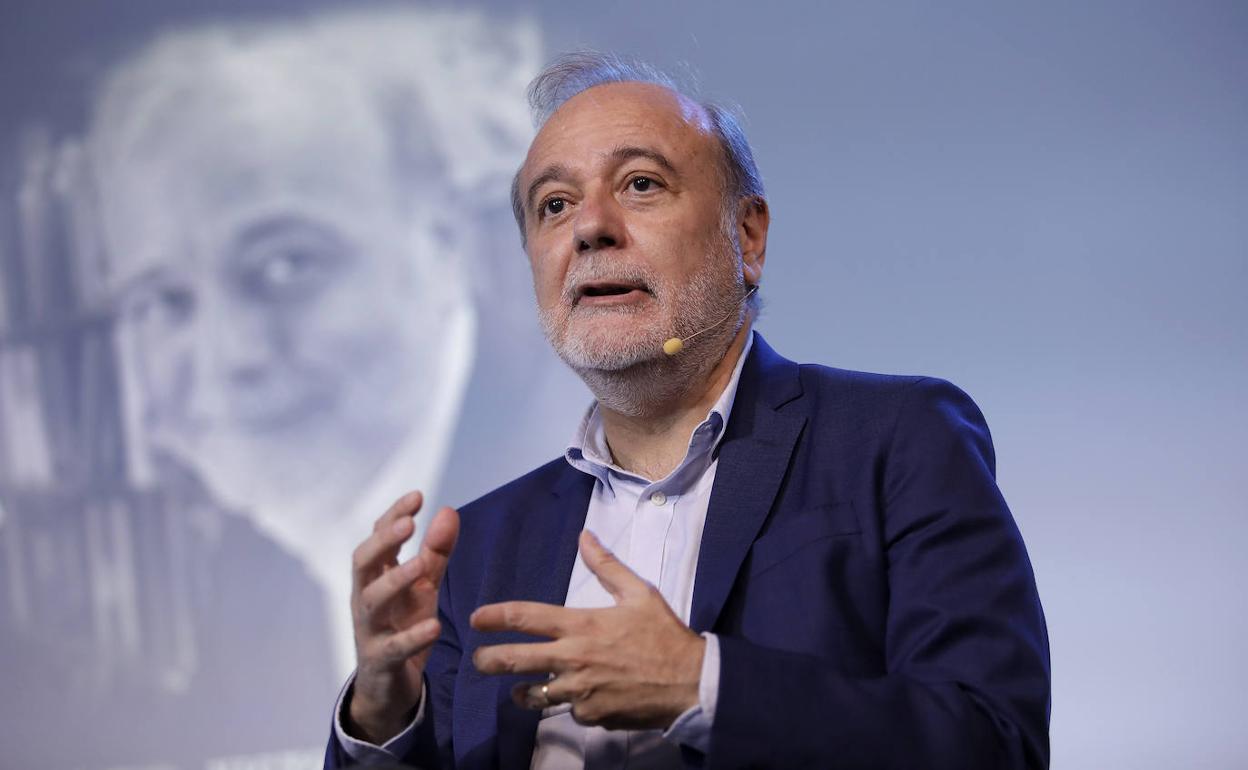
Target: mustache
{"x": 609, "y": 271}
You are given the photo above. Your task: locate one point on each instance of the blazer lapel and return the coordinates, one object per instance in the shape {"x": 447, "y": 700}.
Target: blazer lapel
{"x": 753, "y": 457}
{"x": 545, "y": 548}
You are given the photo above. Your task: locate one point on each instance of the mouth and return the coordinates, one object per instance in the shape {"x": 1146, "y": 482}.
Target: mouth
{"x": 610, "y": 292}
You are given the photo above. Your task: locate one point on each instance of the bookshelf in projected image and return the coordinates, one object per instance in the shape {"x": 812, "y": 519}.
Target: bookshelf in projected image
{"x": 94, "y": 566}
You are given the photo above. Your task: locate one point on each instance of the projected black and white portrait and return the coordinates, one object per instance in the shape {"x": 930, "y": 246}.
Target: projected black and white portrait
{"x": 291, "y": 290}
{"x": 293, "y": 222}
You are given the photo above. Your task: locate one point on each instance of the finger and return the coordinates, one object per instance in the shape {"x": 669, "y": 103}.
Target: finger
{"x": 407, "y": 506}
{"x": 534, "y": 658}
{"x": 435, "y": 549}
{"x": 532, "y": 695}
{"x": 396, "y": 522}
{"x": 379, "y": 550}
{"x": 620, "y": 581}
{"x": 547, "y": 693}
{"x": 375, "y": 598}
{"x": 397, "y": 647}
{"x": 533, "y": 618}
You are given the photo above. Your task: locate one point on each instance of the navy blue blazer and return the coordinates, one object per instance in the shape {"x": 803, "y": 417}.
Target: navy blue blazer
{"x": 874, "y": 602}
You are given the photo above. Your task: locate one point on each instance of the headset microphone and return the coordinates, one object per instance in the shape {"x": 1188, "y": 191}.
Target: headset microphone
{"x": 676, "y": 344}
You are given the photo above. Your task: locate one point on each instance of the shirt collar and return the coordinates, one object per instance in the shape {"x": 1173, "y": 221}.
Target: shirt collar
{"x": 588, "y": 451}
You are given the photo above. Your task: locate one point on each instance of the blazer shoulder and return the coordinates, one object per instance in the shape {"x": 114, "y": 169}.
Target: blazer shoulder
{"x": 895, "y": 389}
{"x": 820, "y": 377}
{"x": 889, "y": 403}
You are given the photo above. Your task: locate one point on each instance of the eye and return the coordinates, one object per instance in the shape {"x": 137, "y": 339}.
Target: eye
{"x": 553, "y": 207}
{"x": 159, "y": 306}
{"x": 641, "y": 184}
{"x": 289, "y": 271}
{"x": 292, "y": 262}
{"x": 284, "y": 269}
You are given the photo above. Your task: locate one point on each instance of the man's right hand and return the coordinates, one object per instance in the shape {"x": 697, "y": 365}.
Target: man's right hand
{"x": 395, "y": 610}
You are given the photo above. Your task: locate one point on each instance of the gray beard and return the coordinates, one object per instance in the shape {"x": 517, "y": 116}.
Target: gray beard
{"x": 646, "y": 388}
{"x": 638, "y": 379}
{"x": 581, "y": 354}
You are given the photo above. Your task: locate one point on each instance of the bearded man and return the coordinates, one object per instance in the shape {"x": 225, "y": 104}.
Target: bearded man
{"x": 778, "y": 565}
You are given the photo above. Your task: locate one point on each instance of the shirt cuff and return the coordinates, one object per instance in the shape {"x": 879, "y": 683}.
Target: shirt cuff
{"x": 693, "y": 728}
{"x": 365, "y": 753}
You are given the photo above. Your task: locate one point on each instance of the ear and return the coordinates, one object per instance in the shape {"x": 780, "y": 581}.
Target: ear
{"x": 753, "y": 219}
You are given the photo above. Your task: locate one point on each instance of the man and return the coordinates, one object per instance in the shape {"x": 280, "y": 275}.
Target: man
{"x": 779, "y": 565}
{"x": 301, "y": 220}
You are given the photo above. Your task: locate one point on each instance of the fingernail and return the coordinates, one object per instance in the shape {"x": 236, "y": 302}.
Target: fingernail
{"x": 531, "y": 700}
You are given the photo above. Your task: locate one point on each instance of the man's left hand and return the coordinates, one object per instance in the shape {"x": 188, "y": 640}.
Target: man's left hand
{"x": 631, "y": 666}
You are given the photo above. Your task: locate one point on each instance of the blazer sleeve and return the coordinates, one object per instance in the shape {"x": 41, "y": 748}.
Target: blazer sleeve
{"x": 966, "y": 676}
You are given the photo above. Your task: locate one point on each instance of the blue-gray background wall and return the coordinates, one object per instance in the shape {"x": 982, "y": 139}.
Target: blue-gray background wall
{"x": 1046, "y": 204}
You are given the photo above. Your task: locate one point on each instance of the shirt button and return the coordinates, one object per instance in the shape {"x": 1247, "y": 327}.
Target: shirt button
{"x": 658, "y": 498}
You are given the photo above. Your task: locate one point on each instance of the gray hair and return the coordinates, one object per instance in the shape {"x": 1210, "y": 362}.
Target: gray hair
{"x": 438, "y": 89}
{"x": 443, "y": 85}
{"x": 572, "y": 73}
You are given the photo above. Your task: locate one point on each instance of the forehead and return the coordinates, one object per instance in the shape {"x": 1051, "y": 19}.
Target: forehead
{"x": 594, "y": 122}
{"x": 187, "y": 179}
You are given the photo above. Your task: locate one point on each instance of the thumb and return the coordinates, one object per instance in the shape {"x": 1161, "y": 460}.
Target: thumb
{"x": 435, "y": 549}
{"x": 620, "y": 581}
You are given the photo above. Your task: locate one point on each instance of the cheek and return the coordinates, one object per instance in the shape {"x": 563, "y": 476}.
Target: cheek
{"x": 549, "y": 295}
{"x": 354, "y": 312}
{"x": 341, "y": 336}
{"x": 161, "y": 360}
{"x": 370, "y": 348}
{"x": 548, "y": 278}
{"x": 671, "y": 247}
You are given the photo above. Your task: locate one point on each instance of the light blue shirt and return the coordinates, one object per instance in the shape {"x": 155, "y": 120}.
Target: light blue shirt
{"x": 655, "y": 527}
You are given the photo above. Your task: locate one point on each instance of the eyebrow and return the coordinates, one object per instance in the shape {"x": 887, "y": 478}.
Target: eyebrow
{"x": 152, "y": 276}
{"x": 277, "y": 224}
{"x": 628, "y": 152}
{"x": 552, "y": 173}
{"x": 557, "y": 171}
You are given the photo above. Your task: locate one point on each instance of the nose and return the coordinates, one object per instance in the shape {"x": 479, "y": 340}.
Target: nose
{"x": 599, "y": 223}
{"x": 235, "y": 344}
{"x": 231, "y": 369}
